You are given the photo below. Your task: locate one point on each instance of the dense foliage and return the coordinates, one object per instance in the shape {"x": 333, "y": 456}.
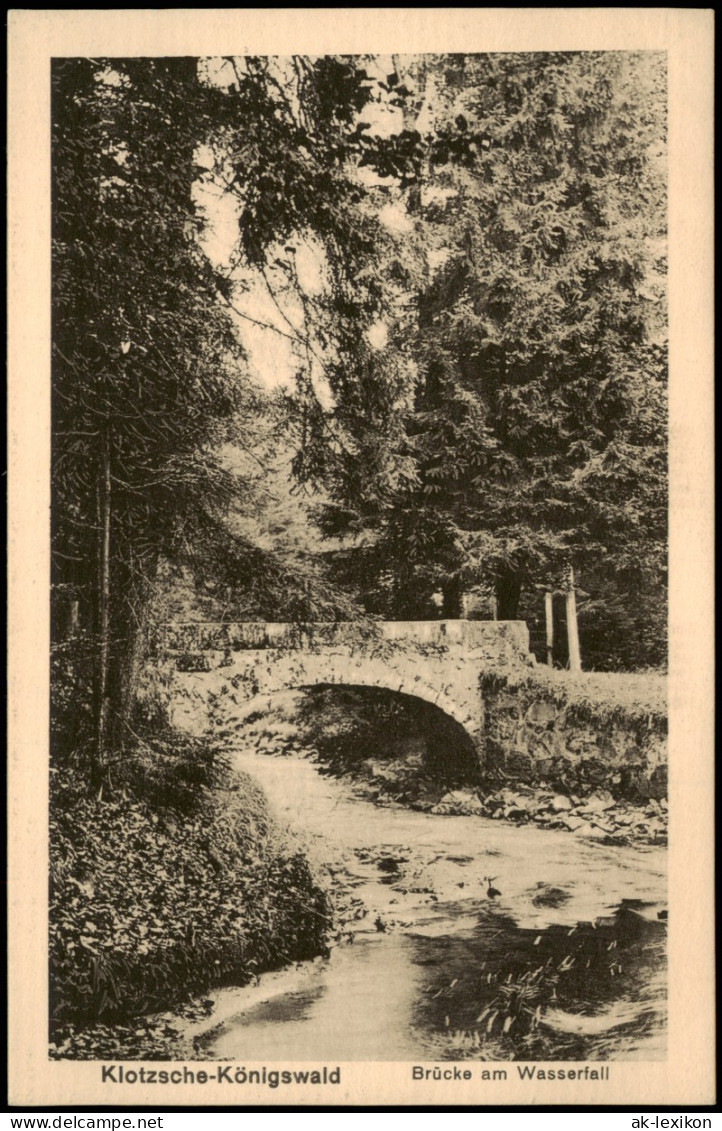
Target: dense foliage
{"x": 475, "y": 401}
{"x": 538, "y": 426}
{"x": 155, "y": 895}
{"x": 637, "y": 701}
{"x": 513, "y": 423}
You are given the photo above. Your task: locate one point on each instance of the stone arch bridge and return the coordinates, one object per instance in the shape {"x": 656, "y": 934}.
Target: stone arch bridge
{"x": 437, "y": 661}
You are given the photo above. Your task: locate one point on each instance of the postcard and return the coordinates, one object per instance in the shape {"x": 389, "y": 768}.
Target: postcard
{"x": 360, "y": 558}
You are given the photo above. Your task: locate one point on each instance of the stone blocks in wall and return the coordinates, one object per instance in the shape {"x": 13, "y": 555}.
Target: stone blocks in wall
{"x": 437, "y": 661}
{"x": 550, "y": 731}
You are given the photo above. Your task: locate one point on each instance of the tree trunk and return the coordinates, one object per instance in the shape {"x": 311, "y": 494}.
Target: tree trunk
{"x": 549, "y": 619}
{"x": 130, "y": 637}
{"x": 508, "y": 592}
{"x": 123, "y": 683}
{"x": 452, "y": 594}
{"x": 575, "y": 657}
{"x": 103, "y": 626}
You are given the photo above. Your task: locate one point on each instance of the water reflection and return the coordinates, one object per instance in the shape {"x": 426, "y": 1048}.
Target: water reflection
{"x": 492, "y": 991}
{"x": 562, "y": 993}
{"x": 570, "y": 966}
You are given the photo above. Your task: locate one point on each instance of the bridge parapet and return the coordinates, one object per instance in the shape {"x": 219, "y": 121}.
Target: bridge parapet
{"x": 500, "y": 641}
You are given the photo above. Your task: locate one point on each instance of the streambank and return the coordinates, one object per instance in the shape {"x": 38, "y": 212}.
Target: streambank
{"x": 565, "y": 960}
{"x": 382, "y": 773}
{"x": 152, "y": 904}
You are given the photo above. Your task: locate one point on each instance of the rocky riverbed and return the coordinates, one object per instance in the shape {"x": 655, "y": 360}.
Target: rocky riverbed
{"x": 456, "y": 936}
{"x": 595, "y": 815}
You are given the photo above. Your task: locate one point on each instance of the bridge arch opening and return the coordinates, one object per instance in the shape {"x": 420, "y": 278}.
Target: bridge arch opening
{"x": 366, "y": 730}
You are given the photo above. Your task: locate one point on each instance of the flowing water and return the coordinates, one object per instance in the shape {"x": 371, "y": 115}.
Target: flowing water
{"x": 567, "y": 961}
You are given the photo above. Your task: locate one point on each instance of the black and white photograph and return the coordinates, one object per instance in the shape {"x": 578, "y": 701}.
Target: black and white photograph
{"x": 359, "y": 647}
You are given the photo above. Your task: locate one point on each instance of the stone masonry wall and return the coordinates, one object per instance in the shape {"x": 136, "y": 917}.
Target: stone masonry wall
{"x": 438, "y": 661}
{"x": 530, "y": 726}
{"x": 576, "y": 734}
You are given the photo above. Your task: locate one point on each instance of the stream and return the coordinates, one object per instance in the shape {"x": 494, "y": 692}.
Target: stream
{"x": 564, "y": 960}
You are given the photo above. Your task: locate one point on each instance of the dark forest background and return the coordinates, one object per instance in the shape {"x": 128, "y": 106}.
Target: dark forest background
{"x": 476, "y": 398}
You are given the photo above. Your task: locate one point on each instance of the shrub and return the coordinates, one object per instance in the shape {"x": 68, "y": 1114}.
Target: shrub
{"x": 166, "y": 887}
{"x": 71, "y": 696}
{"x": 172, "y": 770}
